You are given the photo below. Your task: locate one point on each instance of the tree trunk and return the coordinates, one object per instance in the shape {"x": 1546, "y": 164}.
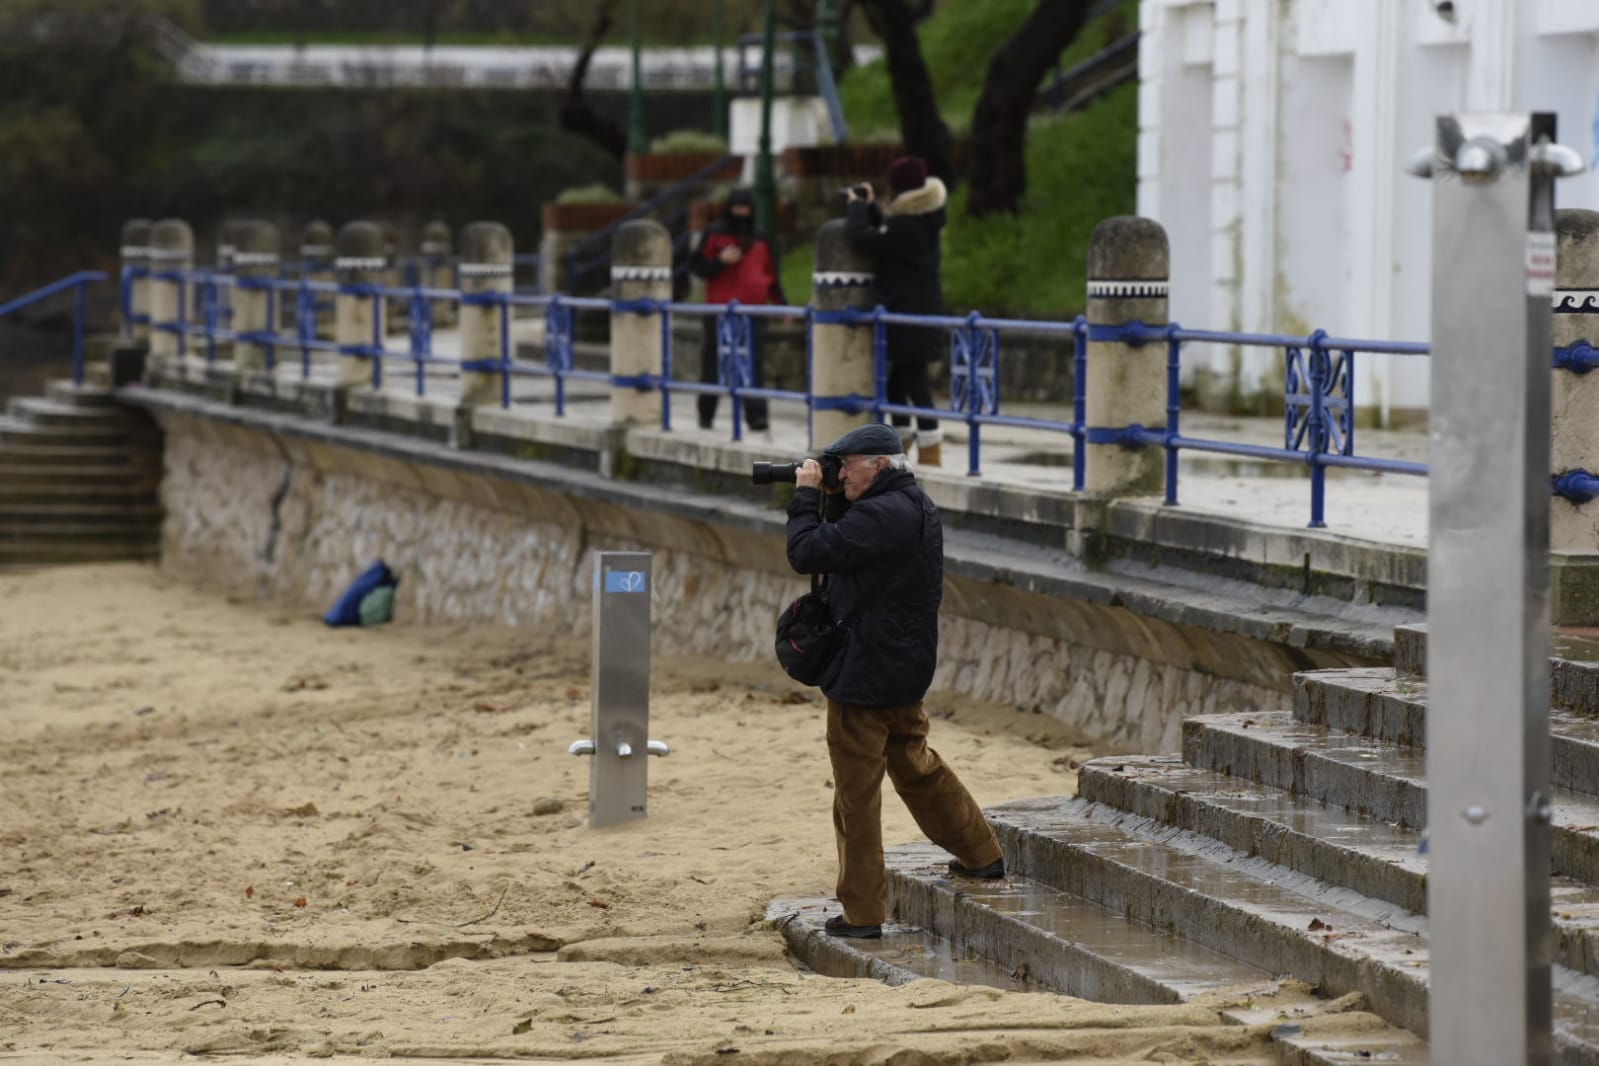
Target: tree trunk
{"x": 921, "y": 127}
{"x": 999, "y": 122}
{"x": 573, "y": 111}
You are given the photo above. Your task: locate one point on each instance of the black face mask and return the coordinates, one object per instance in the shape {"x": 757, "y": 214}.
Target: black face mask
{"x": 741, "y": 224}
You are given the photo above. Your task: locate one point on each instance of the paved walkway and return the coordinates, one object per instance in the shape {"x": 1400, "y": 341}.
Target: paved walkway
{"x": 1386, "y": 508}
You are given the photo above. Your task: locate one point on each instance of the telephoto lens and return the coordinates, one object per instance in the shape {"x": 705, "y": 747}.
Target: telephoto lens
{"x": 770, "y": 473}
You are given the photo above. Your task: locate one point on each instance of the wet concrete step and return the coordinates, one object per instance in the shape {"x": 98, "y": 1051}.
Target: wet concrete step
{"x": 1257, "y": 912}
{"x": 45, "y": 412}
{"x": 107, "y": 475}
{"x": 905, "y": 953}
{"x": 86, "y": 395}
{"x": 54, "y": 552}
{"x": 1332, "y": 844}
{"x": 1383, "y": 705}
{"x": 102, "y": 491}
{"x": 78, "y": 512}
{"x": 908, "y": 953}
{"x": 1573, "y": 665}
{"x": 1062, "y": 941}
{"x": 1380, "y": 780}
{"x": 17, "y": 431}
{"x": 60, "y": 455}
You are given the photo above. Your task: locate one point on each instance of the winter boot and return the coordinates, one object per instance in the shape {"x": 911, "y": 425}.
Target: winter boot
{"x": 930, "y": 447}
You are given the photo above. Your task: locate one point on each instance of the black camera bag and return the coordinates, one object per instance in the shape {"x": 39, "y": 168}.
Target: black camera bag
{"x": 807, "y": 639}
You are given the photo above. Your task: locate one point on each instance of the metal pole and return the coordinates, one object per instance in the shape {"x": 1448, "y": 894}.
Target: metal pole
{"x": 719, "y": 100}
{"x": 635, "y": 102}
{"x": 765, "y": 181}
{"x": 1488, "y": 589}
{"x": 620, "y": 693}
{"x": 827, "y": 26}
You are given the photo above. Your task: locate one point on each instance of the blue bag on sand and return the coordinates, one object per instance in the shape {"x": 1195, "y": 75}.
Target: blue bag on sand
{"x": 347, "y": 611}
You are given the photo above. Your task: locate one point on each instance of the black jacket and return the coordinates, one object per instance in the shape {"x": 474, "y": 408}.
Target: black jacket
{"x": 903, "y": 241}
{"x": 888, "y": 547}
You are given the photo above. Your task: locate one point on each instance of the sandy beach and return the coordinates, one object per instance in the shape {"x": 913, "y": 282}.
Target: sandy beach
{"x": 231, "y": 830}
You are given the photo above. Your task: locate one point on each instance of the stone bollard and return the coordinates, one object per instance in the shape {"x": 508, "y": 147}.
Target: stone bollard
{"x": 397, "y": 312}
{"x": 1129, "y": 266}
{"x": 136, "y": 281}
{"x": 171, "y": 248}
{"x": 316, "y": 264}
{"x": 843, "y": 358}
{"x": 358, "y": 319}
{"x": 1574, "y": 415}
{"x": 486, "y": 266}
{"x": 255, "y": 257}
{"x": 641, "y": 269}
{"x": 438, "y": 271}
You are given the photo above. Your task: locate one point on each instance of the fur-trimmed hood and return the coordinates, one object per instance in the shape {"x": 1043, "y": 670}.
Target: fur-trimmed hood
{"x": 924, "y": 201}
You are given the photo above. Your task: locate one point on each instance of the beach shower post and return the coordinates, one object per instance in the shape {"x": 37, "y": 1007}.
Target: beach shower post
{"x": 619, "y": 716}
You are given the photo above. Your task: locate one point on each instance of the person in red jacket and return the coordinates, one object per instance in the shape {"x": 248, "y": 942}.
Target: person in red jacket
{"x": 736, "y": 261}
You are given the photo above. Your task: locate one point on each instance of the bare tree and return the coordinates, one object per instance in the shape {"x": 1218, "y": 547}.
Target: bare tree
{"x": 999, "y": 122}
{"x": 574, "y": 113}
{"x": 921, "y": 127}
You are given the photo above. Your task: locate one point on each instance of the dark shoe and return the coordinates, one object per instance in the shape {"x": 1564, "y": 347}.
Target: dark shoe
{"x": 994, "y": 871}
{"x": 837, "y": 926}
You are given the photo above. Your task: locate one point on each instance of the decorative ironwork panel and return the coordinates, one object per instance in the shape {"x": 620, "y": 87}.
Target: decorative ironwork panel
{"x": 733, "y": 350}
{"x": 1319, "y": 401}
{"x": 421, "y": 323}
{"x": 974, "y": 370}
{"x": 558, "y": 337}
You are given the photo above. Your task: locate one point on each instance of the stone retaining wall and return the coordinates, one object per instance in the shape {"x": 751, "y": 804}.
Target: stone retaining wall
{"x": 275, "y": 515}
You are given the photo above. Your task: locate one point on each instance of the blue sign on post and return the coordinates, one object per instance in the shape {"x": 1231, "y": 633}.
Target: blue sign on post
{"x": 625, "y": 581}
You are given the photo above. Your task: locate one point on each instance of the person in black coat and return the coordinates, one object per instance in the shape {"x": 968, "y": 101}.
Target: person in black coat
{"x": 903, "y": 238}
{"x": 882, "y": 545}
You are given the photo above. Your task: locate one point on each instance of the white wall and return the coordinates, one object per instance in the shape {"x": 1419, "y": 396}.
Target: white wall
{"x": 1305, "y": 112}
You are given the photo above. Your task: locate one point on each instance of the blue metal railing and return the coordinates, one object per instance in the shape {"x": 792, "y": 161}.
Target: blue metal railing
{"x": 1319, "y": 389}
{"x": 77, "y": 283}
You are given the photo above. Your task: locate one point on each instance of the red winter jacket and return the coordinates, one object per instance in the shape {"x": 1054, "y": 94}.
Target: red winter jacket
{"x": 751, "y": 280}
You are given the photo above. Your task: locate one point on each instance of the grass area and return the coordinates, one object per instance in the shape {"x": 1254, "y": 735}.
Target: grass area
{"x": 1081, "y": 167}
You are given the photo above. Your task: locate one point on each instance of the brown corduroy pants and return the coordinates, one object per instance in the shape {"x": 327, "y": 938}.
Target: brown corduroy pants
{"x": 863, "y": 742}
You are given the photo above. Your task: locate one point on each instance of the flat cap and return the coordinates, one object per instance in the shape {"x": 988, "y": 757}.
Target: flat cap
{"x": 873, "y": 439}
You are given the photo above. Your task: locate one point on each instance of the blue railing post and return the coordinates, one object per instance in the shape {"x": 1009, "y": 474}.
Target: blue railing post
{"x": 879, "y": 361}
{"x": 505, "y": 350}
{"x": 558, "y": 347}
{"x": 1079, "y": 399}
{"x": 305, "y": 324}
{"x": 377, "y": 339}
{"x": 733, "y": 360}
{"x": 420, "y": 321}
{"x": 1174, "y": 408}
{"x": 77, "y": 333}
{"x": 666, "y": 365}
{"x": 974, "y": 382}
{"x": 1318, "y": 428}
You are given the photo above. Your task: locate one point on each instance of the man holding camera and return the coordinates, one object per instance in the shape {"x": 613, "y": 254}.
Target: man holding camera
{"x": 736, "y": 261}
{"x": 878, "y": 539}
{"x": 903, "y": 239}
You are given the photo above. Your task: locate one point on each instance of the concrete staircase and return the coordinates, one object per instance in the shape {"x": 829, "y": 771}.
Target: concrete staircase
{"x": 79, "y": 479}
{"x": 1282, "y": 843}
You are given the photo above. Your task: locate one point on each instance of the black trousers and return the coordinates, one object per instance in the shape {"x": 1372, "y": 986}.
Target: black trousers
{"x": 908, "y": 384}
{"x": 755, "y": 416}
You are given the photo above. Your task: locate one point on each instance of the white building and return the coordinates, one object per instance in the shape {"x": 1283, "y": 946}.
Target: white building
{"x": 1273, "y": 136}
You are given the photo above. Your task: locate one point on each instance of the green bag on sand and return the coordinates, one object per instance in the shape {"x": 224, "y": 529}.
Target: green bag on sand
{"x": 377, "y": 606}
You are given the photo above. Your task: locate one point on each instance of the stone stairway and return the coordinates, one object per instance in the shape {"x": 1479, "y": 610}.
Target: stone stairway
{"x": 1281, "y": 843}
{"x": 79, "y": 479}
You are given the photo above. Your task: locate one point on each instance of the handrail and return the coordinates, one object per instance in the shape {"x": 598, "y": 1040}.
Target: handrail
{"x": 821, "y": 63}
{"x": 1073, "y": 88}
{"x": 82, "y": 277}
{"x": 77, "y": 283}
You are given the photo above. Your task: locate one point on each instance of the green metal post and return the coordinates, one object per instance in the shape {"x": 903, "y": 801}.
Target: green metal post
{"x": 719, "y": 102}
{"x": 827, "y": 25}
{"x": 635, "y": 108}
{"x": 765, "y": 180}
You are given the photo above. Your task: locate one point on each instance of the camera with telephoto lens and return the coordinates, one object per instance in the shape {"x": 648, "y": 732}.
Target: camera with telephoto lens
{"x": 770, "y": 473}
